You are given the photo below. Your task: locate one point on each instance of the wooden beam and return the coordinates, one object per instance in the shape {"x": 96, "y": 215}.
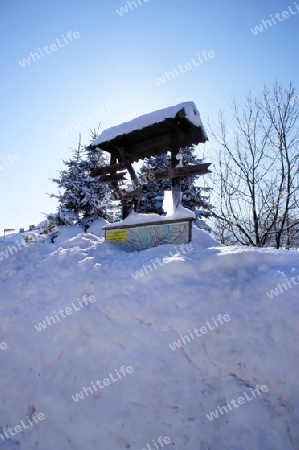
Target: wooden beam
{"x": 136, "y": 201}
{"x": 116, "y": 177}
{"x": 108, "y": 169}
{"x": 134, "y": 195}
{"x": 168, "y": 174}
{"x": 196, "y": 169}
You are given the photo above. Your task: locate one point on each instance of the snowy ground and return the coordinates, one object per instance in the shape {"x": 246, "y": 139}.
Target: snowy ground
{"x": 134, "y": 323}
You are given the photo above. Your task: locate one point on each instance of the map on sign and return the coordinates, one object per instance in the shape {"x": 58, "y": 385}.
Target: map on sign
{"x": 141, "y": 238}
{"x": 116, "y": 236}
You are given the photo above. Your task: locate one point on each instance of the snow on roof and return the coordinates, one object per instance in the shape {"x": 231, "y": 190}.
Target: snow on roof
{"x": 191, "y": 114}
{"x": 139, "y": 219}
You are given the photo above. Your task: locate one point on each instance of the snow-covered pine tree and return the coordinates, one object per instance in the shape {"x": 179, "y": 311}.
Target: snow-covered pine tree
{"x": 153, "y": 192}
{"x": 192, "y": 195}
{"x": 83, "y": 197}
{"x": 96, "y": 200}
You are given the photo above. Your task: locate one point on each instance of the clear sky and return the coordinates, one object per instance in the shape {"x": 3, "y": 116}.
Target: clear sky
{"x": 106, "y": 73}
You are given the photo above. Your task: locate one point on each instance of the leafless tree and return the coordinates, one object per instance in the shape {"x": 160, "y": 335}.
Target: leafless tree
{"x": 256, "y": 172}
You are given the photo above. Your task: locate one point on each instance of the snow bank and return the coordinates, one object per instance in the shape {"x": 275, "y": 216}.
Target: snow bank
{"x": 134, "y": 322}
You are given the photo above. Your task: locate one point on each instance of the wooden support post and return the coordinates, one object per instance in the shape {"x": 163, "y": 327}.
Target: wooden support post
{"x": 175, "y": 182}
{"x": 127, "y": 204}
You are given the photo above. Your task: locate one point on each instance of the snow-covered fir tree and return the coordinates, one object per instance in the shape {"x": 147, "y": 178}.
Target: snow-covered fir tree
{"x": 193, "y": 196}
{"x": 83, "y": 198}
{"x": 153, "y": 192}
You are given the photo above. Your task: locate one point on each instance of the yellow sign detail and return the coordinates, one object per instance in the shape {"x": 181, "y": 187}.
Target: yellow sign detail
{"x": 116, "y": 236}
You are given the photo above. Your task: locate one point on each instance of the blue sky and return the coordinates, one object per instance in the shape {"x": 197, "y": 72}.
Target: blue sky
{"x": 108, "y": 70}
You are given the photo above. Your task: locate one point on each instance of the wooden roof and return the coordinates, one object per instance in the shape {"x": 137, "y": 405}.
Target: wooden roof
{"x": 156, "y": 138}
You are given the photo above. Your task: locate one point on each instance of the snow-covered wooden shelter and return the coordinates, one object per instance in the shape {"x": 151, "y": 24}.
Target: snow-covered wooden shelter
{"x": 169, "y": 129}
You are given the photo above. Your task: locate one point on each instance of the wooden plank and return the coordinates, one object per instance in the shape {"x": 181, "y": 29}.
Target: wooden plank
{"x": 197, "y": 169}
{"x": 175, "y": 181}
{"x": 130, "y": 168}
{"x": 136, "y": 194}
{"x": 168, "y": 174}
{"x": 150, "y": 147}
{"x": 161, "y": 175}
{"x": 112, "y": 178}
{"x": 122, "y": 194}
{"x": 108, "y": 169}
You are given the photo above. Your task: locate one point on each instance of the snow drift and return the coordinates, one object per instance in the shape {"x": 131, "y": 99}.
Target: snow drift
{"x": 127, "y": 332}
